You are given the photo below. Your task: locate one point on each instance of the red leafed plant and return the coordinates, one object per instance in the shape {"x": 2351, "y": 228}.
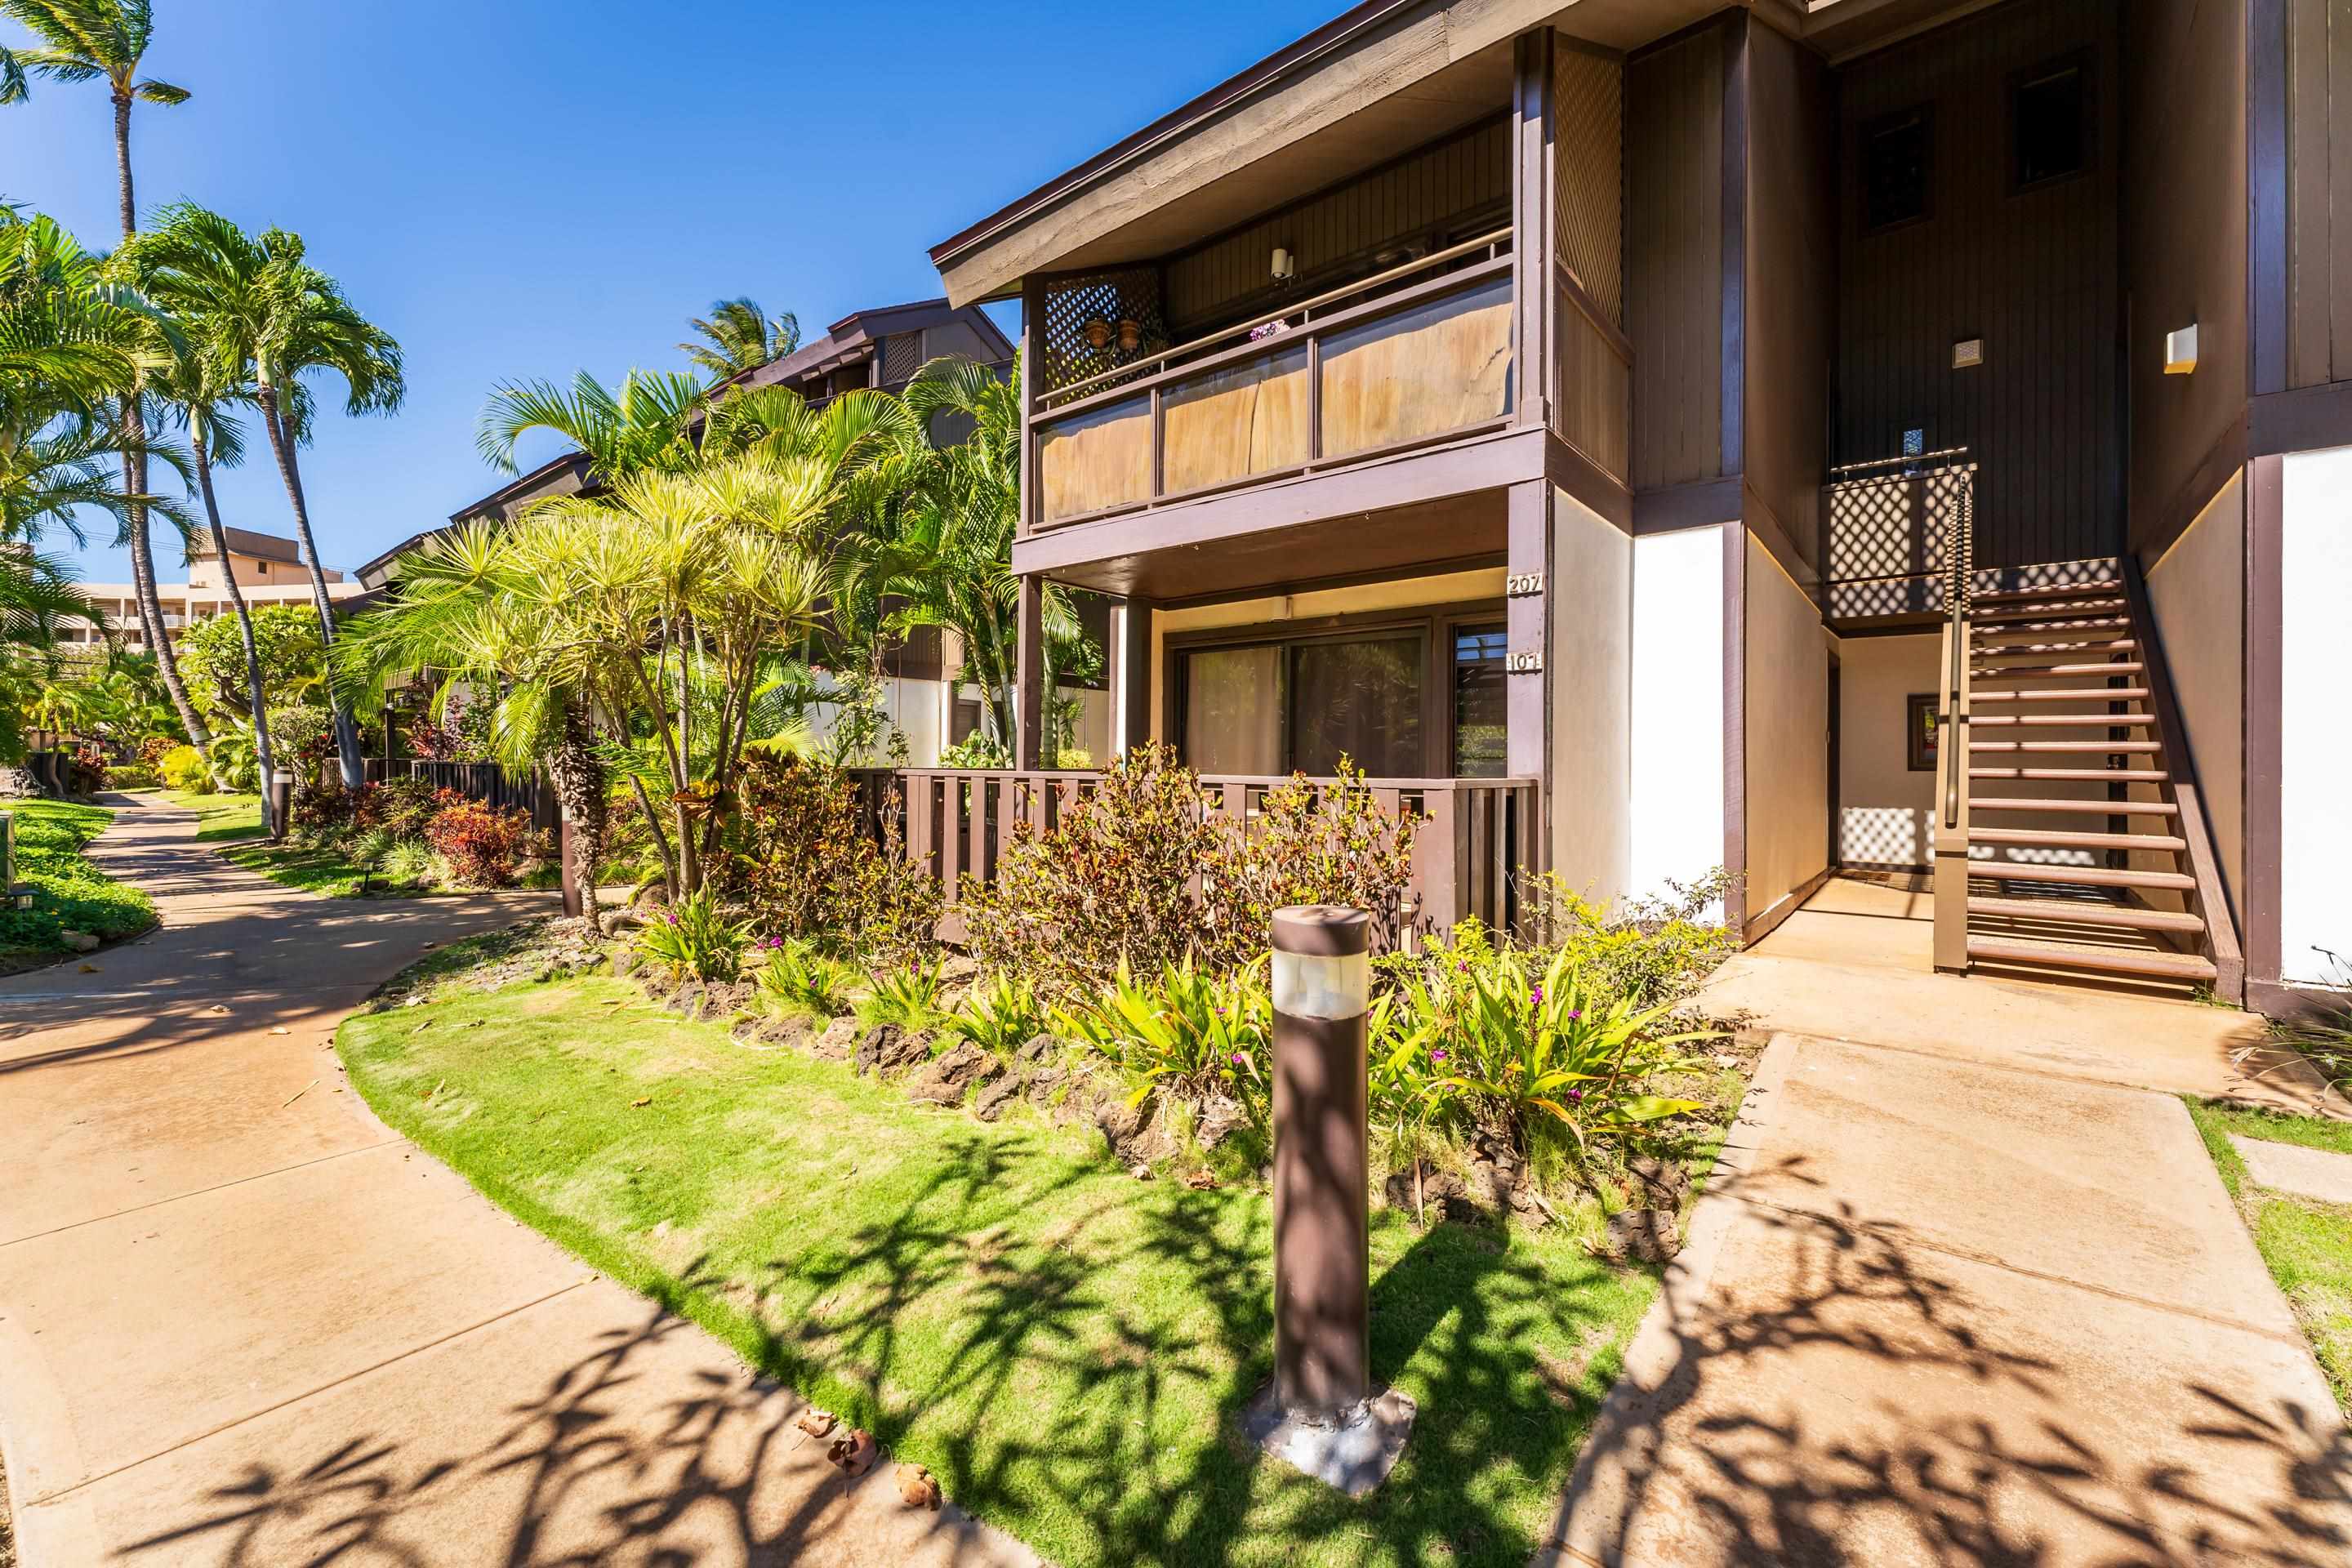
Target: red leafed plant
{"x": 483, "y": 845}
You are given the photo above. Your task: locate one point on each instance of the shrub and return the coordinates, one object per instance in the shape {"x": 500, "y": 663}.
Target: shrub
{"x": 324, "y": 812}
{"x": 999, "y": 1015}
{"x": 1312, "y": 844}
{"x": 1187, "y": 1033}
{"x": 1647, "y": 950}
{"x": 131, "y": 775}
{"x": 182, "y": 768}
{"x": 482, "y": 843}
{"x": 811, "y": 864}
{"x": 696, "y": 940}
{"x": 301, "y": 739}
{"x": 409, "y": 863}
{"x": 976, "y": 751}
{"x": 909, "y": 997}
{"x": 401, "y": 806}
{"x": 794, "y": 978}
{"x": 151, "y": 749}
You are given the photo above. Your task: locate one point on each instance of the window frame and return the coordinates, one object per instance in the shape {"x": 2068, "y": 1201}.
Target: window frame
{"x": 2079, "y": 61}
{"x": 1867, "y": 131}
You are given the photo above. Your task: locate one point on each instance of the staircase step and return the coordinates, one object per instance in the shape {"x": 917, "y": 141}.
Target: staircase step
{"x": 2084, "y": 875}
{"x": 2156, "y": 965}
{"x": 2028, "y": 626}
{"x": 2037, "y": 642}
{"x": 2078, "y": 775}
{"x": 2066, "y": 720}
{"x": 2059, "y": 839}
{"x": 2013, "y": 672}
{"x": 2084, "y": 912}
{"x": 2105, "y": 587}
{"x": 2066, "y": 694}
{"x": 2103, "y": 748}
{"x": 2081, "y": 807}
{"x": 2024, "y": 612}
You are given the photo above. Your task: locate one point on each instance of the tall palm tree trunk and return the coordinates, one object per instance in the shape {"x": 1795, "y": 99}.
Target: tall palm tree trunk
{"x": 244, "y": 616}
{"x": 134, "y": 482}
{"x": 347, "y": 733}
{"x": 581, "y": 787}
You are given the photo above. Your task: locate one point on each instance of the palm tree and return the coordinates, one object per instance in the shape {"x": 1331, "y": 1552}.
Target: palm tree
{"x": 737, "y": 337}
{"x": 94, "y": 40}
{"x": 647, "y": 425}
{"x": 280, "y": 321}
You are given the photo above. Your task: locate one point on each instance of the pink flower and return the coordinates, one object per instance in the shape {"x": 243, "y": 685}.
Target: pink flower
{"x": 1576, "y": 1012}
{"x": 1239, "y": 1059}
{"x": 1437, "y": 1056}
{"x": 1575, "y": 1097}
{"x": 1535, "y": 996}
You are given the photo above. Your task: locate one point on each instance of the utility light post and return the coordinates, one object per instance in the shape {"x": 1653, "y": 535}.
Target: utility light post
{"x": 1321, "y": 1413}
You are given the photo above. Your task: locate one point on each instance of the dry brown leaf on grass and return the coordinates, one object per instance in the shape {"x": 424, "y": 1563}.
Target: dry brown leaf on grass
{"x": 1201, "y": 1182}
{"x": 218, "y": 1010}
{"x": 917, "y": 1489}
{"x": 814, "y": 1422}
{"x": 854, "y": 1452}
{"x": 641, "y": 1104}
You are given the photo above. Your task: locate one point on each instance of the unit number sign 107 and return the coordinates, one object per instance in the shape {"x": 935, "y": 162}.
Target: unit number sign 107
{"x": 1527, "y": 663}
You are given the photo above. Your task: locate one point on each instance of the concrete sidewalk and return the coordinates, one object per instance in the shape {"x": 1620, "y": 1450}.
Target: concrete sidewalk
{"x": 242, "y": 1322}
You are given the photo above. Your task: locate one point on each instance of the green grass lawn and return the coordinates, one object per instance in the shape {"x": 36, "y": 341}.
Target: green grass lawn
{"x": 226, "y": 819}
{"x": 69, "y": 893}
{"x": 221, "y": 816}
{"x": 2308, "y": 1245}
{"x": 1065, "y": 1347}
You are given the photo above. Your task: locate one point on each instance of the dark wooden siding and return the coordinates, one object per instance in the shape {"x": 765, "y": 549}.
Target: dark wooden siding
{"x": 1674, "y": 258}
{"x": 1790, "y": 295}
{"x": 1438, "y": 195}
{"x": 2319, "y": 192}
{"x": 2032, "y": 273}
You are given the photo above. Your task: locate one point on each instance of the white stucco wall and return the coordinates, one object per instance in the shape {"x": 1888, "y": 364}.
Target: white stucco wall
{"x": 2315, "y": 754}
{"x": 1788, "y": 736}
{"x": 1675, "y": 756}
{"x": 1591, "y": 593}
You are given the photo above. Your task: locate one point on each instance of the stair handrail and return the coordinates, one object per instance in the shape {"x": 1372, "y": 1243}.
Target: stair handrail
{"x": 1961, "y": 588}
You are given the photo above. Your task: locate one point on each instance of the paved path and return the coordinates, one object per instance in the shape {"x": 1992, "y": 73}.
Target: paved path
{"x": 1941, "y": 1312}
{"x": 242, "y": 1322}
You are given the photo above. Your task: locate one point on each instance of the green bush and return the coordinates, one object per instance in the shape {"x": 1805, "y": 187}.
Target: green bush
{"x": 1188, "y": 1033}
{"x": 696, "y": 940}
{"x": 131, "y": 775}
{"x": 410, "y": 863}
{"x": 811, "y": 866}
{"x": 1647, "y": 950}
{"x": 69, "y": 893}
{"x": 182, "y": 769}
{"x": 999, "y": 1015}
{"x": 796, "y": 979}
{"x": 907, "y": 997}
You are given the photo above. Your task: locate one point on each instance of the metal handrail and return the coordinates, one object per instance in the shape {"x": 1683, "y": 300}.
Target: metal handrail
{"x": 1963, "y": 583}
{"x": 1241, "y": 329}
{"x": 1907, "y": 458}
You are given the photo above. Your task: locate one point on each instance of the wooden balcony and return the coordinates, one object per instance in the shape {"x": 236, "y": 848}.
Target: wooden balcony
{"x": 1467, "y": 855}
{"x": 1415, "y": 355}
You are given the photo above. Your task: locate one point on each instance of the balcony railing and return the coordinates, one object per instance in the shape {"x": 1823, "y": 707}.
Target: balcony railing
{"x": 1467, "y": 855}
{"x": 1383, "y": 363}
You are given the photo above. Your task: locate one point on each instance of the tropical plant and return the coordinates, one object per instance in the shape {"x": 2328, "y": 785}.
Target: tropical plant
{"x": 794, "y": 978}
{"x": 644, "y": 425}
{"x": 286, "y": 647}
{"x": 999, "y": 1015}
{"x": 1187, "y": 1033}
{"x": 182, "y": 768}
{"x": 806, "y": 855}
{"x": 483, "y": 845}
{"x": 1310, "y": 843}
{"x": 695, "y": 940}
{"x": 736, "y": 336}
{"x": 409, "y": 863}
{"x": 106, "y": 40}
{"x": 907, "y": 996}
{"x": 1649, "y": 949}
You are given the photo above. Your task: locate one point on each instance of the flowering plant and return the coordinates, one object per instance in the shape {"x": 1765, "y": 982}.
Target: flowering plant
{"x": 696, "y": 940}
{"x": 1188, "y": 1031}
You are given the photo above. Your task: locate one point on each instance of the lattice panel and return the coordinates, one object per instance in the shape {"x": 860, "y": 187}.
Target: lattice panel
{"x": 1589, "y": 173}
{"x": 1099, "y": 322}
{"x": 1896, "y": 526}
{"x": 902, "y": 356}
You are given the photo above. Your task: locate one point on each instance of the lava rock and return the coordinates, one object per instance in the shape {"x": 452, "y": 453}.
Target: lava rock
{"x": 786, "y": 1029}
{"x": 1644, "y": 1235}
{"x": 950, "y": 1074}
{"x": 995, "y": 1096}
{"x": 1132, "y": 1131}
{"x": 1038, "y": 1050}
{"x": 1218, "y": 1120}
{"x": 1664, "y": 1184}
{"x": 886, "y": 1050}
{"x": 836, "y": 1042}
{"x": 625, "y": 962}
{"x": 79, "y": 941}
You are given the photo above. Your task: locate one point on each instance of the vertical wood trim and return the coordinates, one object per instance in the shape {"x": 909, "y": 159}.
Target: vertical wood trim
{"x": 1735, "y": 724}
{"x": 2266, "y": 687}
{"x": 1135, "y": 674}
{"x": 1734, "y": 389}
{"x": 1531, "y": 224}
{"x": 1032, "y": 310}
{"x": 1433, "y": 846}
{"x": 2267, "y": 219}
{"x": 1029, "y": 673}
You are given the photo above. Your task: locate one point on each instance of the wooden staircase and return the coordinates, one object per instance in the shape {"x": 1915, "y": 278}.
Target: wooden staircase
{"x": 2071, "y": 838}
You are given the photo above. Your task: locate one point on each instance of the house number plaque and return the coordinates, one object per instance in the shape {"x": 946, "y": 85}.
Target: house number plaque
{"x": 1524, "y": 663}
{"x": 1523, "y": 585}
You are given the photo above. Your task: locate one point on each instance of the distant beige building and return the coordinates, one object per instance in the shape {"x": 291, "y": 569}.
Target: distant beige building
{"x": 268, "y": 569}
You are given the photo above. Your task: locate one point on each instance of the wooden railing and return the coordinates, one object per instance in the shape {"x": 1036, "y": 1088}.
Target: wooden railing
{"x": 1343, "y": 376}
{"x": 1467, "y": 854}
{"x": 494, "y": 786}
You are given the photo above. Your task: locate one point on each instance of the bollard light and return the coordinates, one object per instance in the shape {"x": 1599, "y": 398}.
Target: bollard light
{"x": 1321, "y": 1412}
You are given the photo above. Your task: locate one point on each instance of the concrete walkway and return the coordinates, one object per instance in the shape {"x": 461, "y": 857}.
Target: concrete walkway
{"x": 1964, "y": 1292}
{"x": 242, "y": 1322}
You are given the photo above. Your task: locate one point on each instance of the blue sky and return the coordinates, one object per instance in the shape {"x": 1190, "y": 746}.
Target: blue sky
{"x": 528, "y": 187}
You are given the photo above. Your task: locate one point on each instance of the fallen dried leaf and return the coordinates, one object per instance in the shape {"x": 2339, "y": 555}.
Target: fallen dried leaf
{"x": 218, "y": 1009}
{"x": 90, "y": 969}
{"x": 422, "y": 1028}
{"x": 816, "y": 1422}
{"x": 1201, "y": 1181}
{"x": 854, "y": 1453}
{"x": 641, "y": 1104}
{"x": 916, "y": 1486}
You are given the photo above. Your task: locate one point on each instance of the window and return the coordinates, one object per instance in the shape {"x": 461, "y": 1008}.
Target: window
{"x": 2049, "y": 131}
{"x": 1897, "y": 155}
{"x": 1479, "y": 706}
{"x": 1274, "y": 706}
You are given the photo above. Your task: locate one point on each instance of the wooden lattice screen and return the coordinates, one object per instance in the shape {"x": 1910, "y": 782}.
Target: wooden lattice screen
{"x": 902, "y": 356}
{"x": 1589, "y": 224}
{"x": 1099, "y": 321}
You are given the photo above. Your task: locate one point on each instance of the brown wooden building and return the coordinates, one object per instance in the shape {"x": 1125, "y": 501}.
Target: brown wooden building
{"x": 1656, "y": 434}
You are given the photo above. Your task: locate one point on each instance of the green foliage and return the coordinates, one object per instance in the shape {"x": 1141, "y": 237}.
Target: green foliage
{"x": 237, "y": 764}
{"x": 484, "y": 846}
{"x": 131, "y": 775}
{"x": 409, "y": 863}
{"x": 182, "y": 768}
{"x": 909, "y": 997}
{"x": 795, "y": 978}
{"x": 2325, "y": 1039}
{"x": 696, "y": 940}
{"x": 1309, "y": 843}
{"x": 978, "y": 751}
{"x": 400, "y": 806}
{"x": 69, "y": 893}
{"x": 811, "y": 866}
{"x": 1647, "y": 950}
{"x": 1188, "y": 1031}
{"x": 999, "y": 1015}
{"x": 293, "y": 660}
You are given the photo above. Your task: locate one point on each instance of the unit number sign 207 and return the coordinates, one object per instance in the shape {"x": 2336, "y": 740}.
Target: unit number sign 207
{"x": 1523, "y": 585}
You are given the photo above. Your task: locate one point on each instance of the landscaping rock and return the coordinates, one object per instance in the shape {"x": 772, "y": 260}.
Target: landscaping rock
{"x": 1644, "y": 1235}
{"x": 1659, "y": 1184}
{"x": 78, "y": 940}
{"x": 1134, "y": 1134}
{"x": 837, "y": 1042}
{"x": 1039, "y": 1085}
{"x": 1219, "y": 1118}
{"x": 625, "y": 962}
{"x": 995, "y": 1095}
{"x": 886, "y": 1050}
{"x": 787, "y": 1028}
{"x": 686, "y": 999}
{"x": 1038, "y": 1050}
{"x": 950, "y": 1074}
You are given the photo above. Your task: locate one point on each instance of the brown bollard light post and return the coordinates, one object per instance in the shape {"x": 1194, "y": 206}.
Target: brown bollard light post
{"x": 1321, "y": 1412}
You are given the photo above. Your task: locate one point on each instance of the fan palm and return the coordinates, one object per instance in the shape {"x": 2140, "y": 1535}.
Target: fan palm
{"x": 106, "y": 40}
{"x": 737, "y": 337}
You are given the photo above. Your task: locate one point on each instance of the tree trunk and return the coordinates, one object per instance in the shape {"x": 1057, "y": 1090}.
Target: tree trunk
{"x": 581, "y": 788}
{"x": 142, "y": 576}
{"x": 281, "y": 446}
{"x": 244, "y": 616}
{"x": 123, "y": 160}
